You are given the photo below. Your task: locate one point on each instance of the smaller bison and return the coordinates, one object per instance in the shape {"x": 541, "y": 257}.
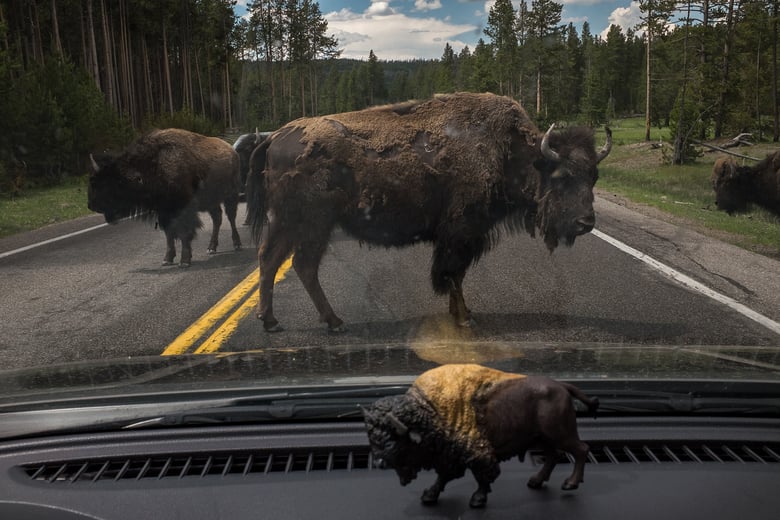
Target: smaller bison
{"x": 736, "y": 187}
{"x": 170, "y": 175}
{"x": 458, "y": 417}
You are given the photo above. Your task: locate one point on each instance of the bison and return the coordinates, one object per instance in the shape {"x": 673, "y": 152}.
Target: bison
{"x": 169, "y": 175}
{"x": 244, "y": 146}
{"x": 458, "y": 417}
{"x": 453, "y": 171}
{"x": 736, "y": 187}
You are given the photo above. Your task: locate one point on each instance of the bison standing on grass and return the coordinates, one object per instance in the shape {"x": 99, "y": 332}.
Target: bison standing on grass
{"x": 448, "y": 171}
{"x": 458, "y": 417}
{"x": 170, "y": 175}
{"x": 736, "y": 187}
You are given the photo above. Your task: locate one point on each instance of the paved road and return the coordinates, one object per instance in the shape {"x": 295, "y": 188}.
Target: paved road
{"x": 103, "y": 294}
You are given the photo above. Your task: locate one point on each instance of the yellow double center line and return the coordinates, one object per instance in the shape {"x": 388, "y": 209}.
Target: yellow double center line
{"x": 237, "y": 297}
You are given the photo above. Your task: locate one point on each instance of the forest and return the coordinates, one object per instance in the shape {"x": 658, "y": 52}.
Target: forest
{"x": 80, "y": 76}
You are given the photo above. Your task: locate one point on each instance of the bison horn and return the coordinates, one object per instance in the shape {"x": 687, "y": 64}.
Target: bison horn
{"x": 94, "y": 163}
{"x": 546, "y": 150}
{"x": 607, "y": 146}
{"x": 400, "y": 428}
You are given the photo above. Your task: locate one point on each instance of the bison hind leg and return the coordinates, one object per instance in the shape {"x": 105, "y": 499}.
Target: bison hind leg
{"x": 550, "y": 460}
{"x": 231, "y": 208}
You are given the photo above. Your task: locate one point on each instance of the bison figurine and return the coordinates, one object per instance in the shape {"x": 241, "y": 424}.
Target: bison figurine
{"x": 453, "y": 171}
{"x": 170, "y": 175}
{"x": 736, "y": 187}
{"x": 457, "y": 417}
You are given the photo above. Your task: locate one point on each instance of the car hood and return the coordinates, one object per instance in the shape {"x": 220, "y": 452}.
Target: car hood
{"x": 381, "y": 364}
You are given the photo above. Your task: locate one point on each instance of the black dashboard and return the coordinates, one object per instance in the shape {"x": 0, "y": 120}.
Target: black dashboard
{"x": 651, "y": 467}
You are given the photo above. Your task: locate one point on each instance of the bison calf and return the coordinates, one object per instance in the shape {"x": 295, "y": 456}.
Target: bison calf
{"x": 458, "y": 417}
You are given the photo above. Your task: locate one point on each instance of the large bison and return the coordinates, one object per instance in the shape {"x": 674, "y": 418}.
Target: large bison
{"x": 736, "y": 187}
{"x": 458, "y": 417}
{"x": 170, "y": 175}
{"x": 448, "y": 171}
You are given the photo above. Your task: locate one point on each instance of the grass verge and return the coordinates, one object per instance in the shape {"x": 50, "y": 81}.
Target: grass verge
{"x": 39, "y": 207}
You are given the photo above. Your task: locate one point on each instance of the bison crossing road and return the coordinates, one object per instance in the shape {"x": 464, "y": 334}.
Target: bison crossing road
{"x": 170, "y": 175}
{"x": 454, "y": 171}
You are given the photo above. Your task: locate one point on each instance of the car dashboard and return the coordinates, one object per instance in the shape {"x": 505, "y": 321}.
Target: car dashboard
{"x": 639, "y": 467}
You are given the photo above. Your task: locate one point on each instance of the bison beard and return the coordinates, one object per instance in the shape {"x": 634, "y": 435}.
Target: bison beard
{"x": 455, "y": 171}
{"x": 458, "y": 417}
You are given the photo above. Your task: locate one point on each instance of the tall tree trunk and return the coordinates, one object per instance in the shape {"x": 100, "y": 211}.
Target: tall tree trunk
{"x": 55, "y": 24}
{"x": 93, "y": 66}
{"x": 109, "y": 67}
{"x": 648, "y": 54}
{"x": 775, "y": 110}
{"x": 721, "y": 115}
{"x": 167, "y": 70}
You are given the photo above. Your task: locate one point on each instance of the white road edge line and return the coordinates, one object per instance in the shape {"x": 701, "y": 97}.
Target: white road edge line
{"x": 690, "y": 283}
{"x": 51, "y": 240}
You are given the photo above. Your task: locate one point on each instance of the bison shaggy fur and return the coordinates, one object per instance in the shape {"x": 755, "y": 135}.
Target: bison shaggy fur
{"x": 459, "y": 417}
{"x": 453, "y": 171}
{"x": 170, "y": 175}
{"x": 737, "y": 187}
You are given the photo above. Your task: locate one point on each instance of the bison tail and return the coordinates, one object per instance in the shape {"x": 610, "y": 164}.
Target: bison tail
{"x": 256, "y": 190}
{"x": 591, "y": 402}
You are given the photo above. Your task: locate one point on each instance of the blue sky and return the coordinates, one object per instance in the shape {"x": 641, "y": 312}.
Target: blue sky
{"x": 408, "y": 29}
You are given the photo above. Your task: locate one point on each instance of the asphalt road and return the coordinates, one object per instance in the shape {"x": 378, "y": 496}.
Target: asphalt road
{"x": 103, "y": 294}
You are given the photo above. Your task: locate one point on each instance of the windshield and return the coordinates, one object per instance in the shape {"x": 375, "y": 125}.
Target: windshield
{"x": 207, "y": 200}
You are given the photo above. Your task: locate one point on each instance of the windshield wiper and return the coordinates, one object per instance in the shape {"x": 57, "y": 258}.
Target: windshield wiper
{"x": 333, "y": 404}
{"x": 643, "y": 402}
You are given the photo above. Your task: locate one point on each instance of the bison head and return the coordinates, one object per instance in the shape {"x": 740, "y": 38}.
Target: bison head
{"x": 568, "y": 170}
{"x": 393, "y": 443}
{"x": 729, "y": 184}
{"x": 113, "y": 191}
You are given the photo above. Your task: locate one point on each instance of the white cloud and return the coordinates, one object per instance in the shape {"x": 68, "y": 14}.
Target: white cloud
{"x": 379, "y": 9}
{"x": 393, "y": 36}
{"x": 625, "y": 17}
{"x": 427, "y": 5}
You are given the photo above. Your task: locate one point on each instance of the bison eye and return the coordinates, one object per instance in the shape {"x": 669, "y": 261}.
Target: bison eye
{"x": 389, "y": 445}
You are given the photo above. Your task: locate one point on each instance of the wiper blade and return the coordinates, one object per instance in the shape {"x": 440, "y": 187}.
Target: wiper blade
{"x": 337, "y": 404}
{"x": 642, "y": 402}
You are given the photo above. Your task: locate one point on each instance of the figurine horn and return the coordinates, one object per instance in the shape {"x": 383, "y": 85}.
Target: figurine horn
{"x": 400, "y": 428}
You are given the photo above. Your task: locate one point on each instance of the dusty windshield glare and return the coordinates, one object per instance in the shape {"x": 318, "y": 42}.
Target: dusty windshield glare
{"x": 221, "y": 195}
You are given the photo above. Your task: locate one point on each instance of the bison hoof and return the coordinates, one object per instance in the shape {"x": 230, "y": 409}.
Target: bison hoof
{"x": 185, "y": 265}
{"x": 467, "y": 324}
{"x": 338, "y": 329}
{"x": 478, "y": 500}
{"x": 237, "y": 247}
{"x": 168, "y": 262}
{"x": 568, "y": 486}
{"x": 535, "y": 483}
{"x": 211, "y": 251}
{"x": 270, "y": 326}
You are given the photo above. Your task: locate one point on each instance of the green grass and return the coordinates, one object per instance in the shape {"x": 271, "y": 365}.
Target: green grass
{"x": 36, "y": 208}
{"x": 639, "y": 172}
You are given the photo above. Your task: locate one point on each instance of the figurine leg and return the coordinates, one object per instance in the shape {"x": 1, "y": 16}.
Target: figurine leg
{"x": 431, "y": 495}
{"x": 485, "y": 472}
{"x": 550, "y": 460}
{"x": 580, "y": 452}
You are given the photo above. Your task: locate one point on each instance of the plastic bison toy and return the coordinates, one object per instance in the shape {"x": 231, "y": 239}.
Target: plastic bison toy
{"x": 458, "y": 417}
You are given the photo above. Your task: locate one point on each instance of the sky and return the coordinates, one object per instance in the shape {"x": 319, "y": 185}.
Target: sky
{"x": 409, "y": 29}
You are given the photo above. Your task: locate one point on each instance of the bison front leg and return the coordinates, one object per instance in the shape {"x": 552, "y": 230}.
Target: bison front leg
{"x": 451, "y": 259}
{"x": 170, "y": 247}
{"x": 431, "y": 495}
{"x": 485, "y": 472}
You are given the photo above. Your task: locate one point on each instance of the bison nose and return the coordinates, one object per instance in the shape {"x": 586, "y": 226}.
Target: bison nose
{"x": 586, "y": 223}
{"x": 380, "y": 464}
